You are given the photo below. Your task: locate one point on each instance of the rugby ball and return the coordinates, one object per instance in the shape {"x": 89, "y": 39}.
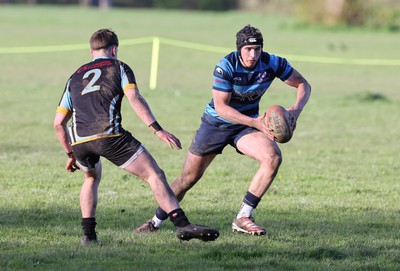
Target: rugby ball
{"x": 277, "y": 119}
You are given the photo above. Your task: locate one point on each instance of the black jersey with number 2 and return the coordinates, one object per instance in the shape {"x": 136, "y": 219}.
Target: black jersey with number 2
{"x": 93, "y": 96}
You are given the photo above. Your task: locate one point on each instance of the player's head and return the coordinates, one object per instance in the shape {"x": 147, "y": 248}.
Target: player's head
{"x": 249, "y": 44}
{"x": 248, "y": 35}
{"x": 103, "y": 39}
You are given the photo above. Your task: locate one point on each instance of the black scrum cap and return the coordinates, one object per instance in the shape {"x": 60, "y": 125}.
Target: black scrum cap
{"x": 248, "y": 35}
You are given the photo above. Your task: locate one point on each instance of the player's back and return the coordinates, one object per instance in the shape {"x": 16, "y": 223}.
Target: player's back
{"x": 96, "y": 94}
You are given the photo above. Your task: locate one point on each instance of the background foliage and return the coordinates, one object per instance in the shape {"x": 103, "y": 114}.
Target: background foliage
{"x": 381, "y": 14}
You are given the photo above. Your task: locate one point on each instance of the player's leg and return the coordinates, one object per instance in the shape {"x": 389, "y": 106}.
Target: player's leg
{"x": 257, "y": 146}
{"x": 146, "y": 168}
{"x": 193, "y": 169}
{"x": 201, "y": 153}
{"x": 267, "y": 153}
{"x": 90, "y": 164}
{"x": 88, "y": 202}
{"x": 88, "y": 195}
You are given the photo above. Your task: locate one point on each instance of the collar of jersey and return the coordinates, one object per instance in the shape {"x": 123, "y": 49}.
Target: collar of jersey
{"x": 100, "y": 57}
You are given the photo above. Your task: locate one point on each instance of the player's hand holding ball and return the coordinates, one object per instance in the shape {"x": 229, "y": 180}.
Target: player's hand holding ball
{"x": 281, "y": 122}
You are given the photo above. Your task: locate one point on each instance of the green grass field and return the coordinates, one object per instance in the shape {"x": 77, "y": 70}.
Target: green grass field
{"x": 333, "y": 206}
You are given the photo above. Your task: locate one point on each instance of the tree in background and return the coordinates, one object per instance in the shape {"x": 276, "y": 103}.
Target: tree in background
{"x": 372, "y": 13}
{"x": 380, "y": 14}
{"x": 333, "y": 12}
{"x": 105, "y": 4}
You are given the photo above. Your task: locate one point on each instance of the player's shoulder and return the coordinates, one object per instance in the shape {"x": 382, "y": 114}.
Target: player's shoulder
{"x": 273, "y": 60}
{"x": 82, "y": 68}
{"x": 270, "y": 58}
{"x": 120, "y": 62}
{"x": 229, "y": 61}
{"x": 123, "y": 65}
{"x": 265, "y": 57}
{"x": 231, "y": 56}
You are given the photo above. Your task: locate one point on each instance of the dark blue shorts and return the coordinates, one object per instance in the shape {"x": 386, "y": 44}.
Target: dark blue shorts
{"x": 118, "y": 150}
{"x": 212, "y": 139}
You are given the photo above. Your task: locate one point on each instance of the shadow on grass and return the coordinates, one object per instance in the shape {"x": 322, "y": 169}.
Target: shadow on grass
{"x": 49, "y": 238}
{"x": 368, "y": 97}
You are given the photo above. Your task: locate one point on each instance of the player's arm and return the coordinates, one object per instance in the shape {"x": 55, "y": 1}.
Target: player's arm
{"x": 225, "y": 111}
{"x": 142, "y": 109}
{"x": 303, "y": 93}
{"x": 60, "y": 127}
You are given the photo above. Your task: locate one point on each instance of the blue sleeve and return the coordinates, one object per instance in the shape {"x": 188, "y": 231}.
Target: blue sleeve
{"x": 281, "y": 66}
{"x": 223, "y": 74}
{"x": 66, "y": 101}
{"x": 127, "y": 77}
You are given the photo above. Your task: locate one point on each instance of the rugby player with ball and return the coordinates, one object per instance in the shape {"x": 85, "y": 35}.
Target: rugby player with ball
{"x": 232, "y": 118}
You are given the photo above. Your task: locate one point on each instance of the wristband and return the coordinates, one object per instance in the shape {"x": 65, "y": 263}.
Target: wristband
{"x": 70, "y": 154}
{"x": 156, "y": 126}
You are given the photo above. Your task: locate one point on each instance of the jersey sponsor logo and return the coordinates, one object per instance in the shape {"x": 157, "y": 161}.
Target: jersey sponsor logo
{"x": 249, "y": 96}
{"x": 94, "y": 66}
{"x": 217, "y": 81}
{"x": 261, "y": 77}
{"x": 219, "y": 71}
{"x": 101, "y": 64}
{"x": 84, "y": 68}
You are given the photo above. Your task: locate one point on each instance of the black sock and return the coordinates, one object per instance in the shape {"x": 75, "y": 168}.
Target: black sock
{"x": 179, "y": 218}
{"x": 251, "y": 199}
{"x": 89, "y": 227}
{"x": 160, "y": 214}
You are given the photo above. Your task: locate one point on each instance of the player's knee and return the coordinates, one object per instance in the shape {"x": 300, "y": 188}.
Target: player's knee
{"x": 90, "y": 179}
{"x": 160, "y": 174}
{"x": 278, "y": 160}
{"x": 273, "y": 160}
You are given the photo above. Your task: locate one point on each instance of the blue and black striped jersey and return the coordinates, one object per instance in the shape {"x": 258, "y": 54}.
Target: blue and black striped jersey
{"x": 93, "y": 96}
{"x": 246, "y": 86}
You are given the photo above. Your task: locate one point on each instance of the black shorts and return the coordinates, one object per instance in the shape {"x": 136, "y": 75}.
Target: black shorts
{"x": 119, "y": 150}
{"x": 212, "y": 139}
